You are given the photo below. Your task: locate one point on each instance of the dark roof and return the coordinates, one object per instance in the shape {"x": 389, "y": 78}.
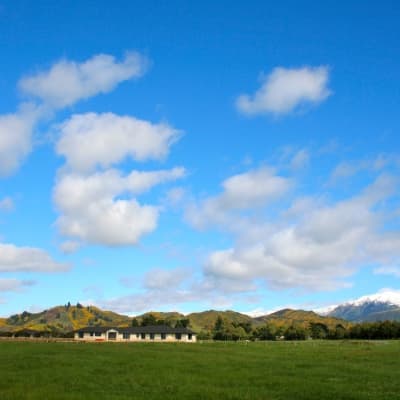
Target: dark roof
{"x": 135, "y": 329}
{"x": 26, "y": 331}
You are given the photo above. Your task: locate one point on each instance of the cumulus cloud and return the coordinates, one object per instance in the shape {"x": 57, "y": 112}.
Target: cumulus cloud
{"x": 166, "y": 289}
{"x": 99, "y": 208}
{"x": 316, "y": 246}
{"x": 254, "y": 188}
{"x": 14, "y": 285}
{"x": 27, "y": 259}
{"x": 63, "y": 84}
{"x": 16, "y": 138}
{"x": 91, "y": 140}
{"x": 67, "y": 81}
{"x": 285, "y": 89}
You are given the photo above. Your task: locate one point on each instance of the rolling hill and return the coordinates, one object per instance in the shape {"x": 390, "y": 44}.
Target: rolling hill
{"x": 206, "y": 320}
{"x": 287, "y": 317}
{"x": 63, "y": 319}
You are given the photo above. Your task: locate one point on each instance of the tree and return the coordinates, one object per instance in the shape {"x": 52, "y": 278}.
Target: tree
{"x": 219, "y": 331}
{"x": 224, "y": 330}
{"x": 339, "y": 332}
{"x": 295, "y": 333}
{"x": 149, "y": 320}
{"x": 266, "y": 332}
{"x": 182, "y": 323}
{"x": 134, "y": 322}
{"x": 318, "y": 330}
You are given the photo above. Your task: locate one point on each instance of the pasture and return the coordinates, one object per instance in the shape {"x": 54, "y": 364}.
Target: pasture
{"x": 261, "y": 370}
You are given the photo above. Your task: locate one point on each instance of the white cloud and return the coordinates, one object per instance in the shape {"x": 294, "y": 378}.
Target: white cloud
{"x": 16, "y": 138}
{"x": 69, "y": 246}
{"x": 100, "y": 209}
{"x": 315, "y": 249}
{"x": 347, "y": 169}
{"x": 251, "y": 189}
{"x": 14, "y": 285}
{"x": 160, "y": 279}
{"x": 285, "y": 89}
{"x": 6, "y": 204}
{"x": 66, "y": 82}
{"x": 91, "y": 140}
{"x": 388, "y": 270}
{"x": 63, "y": 84}
{"x": 27, "y": 259}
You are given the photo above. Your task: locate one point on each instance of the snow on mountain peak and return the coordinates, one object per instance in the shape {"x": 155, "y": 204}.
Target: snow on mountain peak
{"x": 382, "y": 296}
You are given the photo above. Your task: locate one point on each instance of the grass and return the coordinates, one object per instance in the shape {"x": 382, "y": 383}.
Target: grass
{"x": 264, "y": 370}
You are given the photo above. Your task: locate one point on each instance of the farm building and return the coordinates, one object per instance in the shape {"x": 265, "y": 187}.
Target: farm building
{"x": 157, "y": 333}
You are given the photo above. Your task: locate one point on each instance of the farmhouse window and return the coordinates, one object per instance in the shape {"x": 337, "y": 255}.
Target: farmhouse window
{"x": 80, "y": 335}
{"x": 163, "y": 336}
{"x": 178, "y": 336}
{"x": 189, "y": 336}
{"x": 152, "y": 336}
{"x": 143, "y": 335}
{"x": 97, "y": 334}
{"x": 126, "y": 336}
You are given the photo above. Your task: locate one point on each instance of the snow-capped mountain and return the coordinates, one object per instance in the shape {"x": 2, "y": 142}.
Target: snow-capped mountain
{"x": 383, "y": 296}
{"x": 376, "y": 307}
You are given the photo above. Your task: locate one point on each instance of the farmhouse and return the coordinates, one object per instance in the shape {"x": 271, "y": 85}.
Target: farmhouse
{"x": 157, "y": 333}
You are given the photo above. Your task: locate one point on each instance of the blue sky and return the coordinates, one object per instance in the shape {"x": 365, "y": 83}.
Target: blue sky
{"x": 187, "y": 156}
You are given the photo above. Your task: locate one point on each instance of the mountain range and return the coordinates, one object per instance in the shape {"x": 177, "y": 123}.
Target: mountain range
{"x": 63, "y": 319}
{"x": 384, "y": 305}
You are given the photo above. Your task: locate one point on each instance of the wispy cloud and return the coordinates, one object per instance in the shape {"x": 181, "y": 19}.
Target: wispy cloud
{"x": 14, "y": 285}
{"x": 7, "y": 204}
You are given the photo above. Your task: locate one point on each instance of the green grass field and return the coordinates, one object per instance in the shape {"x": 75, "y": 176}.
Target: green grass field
{"x": 264, "y": 370}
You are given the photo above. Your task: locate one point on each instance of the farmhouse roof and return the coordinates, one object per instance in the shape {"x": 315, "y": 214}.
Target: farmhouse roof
{"x": 136, "y": 329}
{"x": 27, "y": 331}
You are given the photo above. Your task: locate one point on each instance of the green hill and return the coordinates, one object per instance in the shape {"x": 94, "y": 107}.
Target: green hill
{"x": 168, "y": 317}
{"x": 287, "y": 317}
{"x": 206, "y": 320}
{"x": 67, "y": 318}
{"x": 63, "y": 319}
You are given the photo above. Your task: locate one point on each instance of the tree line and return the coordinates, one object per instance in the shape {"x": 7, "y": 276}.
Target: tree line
{"x": 226, "y": 330}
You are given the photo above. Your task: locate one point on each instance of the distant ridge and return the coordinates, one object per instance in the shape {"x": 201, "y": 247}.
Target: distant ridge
{"x": 384, "y": 305}
{"x": 67, "y": 318}
{"x": 301, "y": 318}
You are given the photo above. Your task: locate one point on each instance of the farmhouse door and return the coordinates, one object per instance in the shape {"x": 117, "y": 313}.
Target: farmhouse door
{"x": 112, "y": 335}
